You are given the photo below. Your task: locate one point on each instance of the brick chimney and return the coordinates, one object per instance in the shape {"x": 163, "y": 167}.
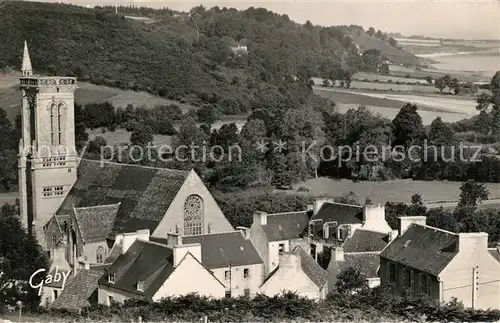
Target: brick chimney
{"x": 406, "y": 221}
{"x": 318, "y": 204}
{"x": 181, "y": 250}
{"x": 337, "y": 254}
{"x": 476, "y": 241}
{"x": 374, "y": 218}
{"x": 260, "y": 217}
{"x": 290, "y": 261}
{"x": 174, "y": 239}
{"x": 129, "y": 238}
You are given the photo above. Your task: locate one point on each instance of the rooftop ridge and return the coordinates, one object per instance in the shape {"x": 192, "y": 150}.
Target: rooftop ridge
{"x": 437, "y": 229}
{"x": 368, "y": 230}
{"x": 138, "y": 166}
{"x": 363, "y": 253}
{"x": 154, "y": 243}
{"x": 211, "y": 234}
{"x": 285, "y": 213}
{"x": 344, "y": 204}
{"x": 97, "y": 206}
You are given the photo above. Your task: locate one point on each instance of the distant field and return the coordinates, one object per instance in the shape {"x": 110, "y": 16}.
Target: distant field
{"x": 434, "y": 73}
{"x": 384, "y": 78}
{"x": 121, "y": 136}
{"x": 396, "y": 190}
{"x": 10, "y": 97}
{"x": 385, "y": 86}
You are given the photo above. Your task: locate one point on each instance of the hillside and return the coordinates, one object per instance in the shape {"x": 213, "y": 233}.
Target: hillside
{"x": 166, "y": 57}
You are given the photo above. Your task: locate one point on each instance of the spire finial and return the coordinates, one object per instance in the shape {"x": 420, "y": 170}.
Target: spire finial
{"x": 26, "y": 68}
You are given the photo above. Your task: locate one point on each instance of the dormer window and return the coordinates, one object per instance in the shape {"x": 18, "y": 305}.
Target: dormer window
{"x": 140, "y": 286}
{"x": 111, "y": 278}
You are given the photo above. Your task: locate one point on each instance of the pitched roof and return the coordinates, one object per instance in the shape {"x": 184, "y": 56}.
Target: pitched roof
{"x": 342, "y": 213}
{"x": 495, "y": 253}
{"x": 311, "y": 268}
{"x": 285, "y": 226}
{"x": 366, "y": 262}
{"x": 424, "y": 248}
{"x": 61, "y": 272}
{"x": 76, "y": 293}
{"x": 144, "y": 261}
{"x": 366, "y": 241}
{"x": 145, "y": 193}
{"x": 96, "y": 222}
{"x": 219, "y": 248}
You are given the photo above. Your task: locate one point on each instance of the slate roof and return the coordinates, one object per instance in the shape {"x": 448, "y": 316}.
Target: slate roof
{"x": 366, "y": 263}
{"x": 58, "y": 284}
{"x": 423, "y": 248}
{"x": 145, "y": 193}
{"x": 495, "y": 253}
{"x": 60, "y": 219}
{"x": 311, "y": 268}
{"x": 286, "y": 226}
{"x": 76, "y": 293}
{"x": 96, "y": 222}
{"x": 219, "y": 248}
{"x": 144, "y": 261}
{"x": 342, "y": 213}
{"x": 366, "y": 241}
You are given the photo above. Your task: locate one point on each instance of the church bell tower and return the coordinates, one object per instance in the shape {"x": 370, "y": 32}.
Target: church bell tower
{"x": 47, "y": 152}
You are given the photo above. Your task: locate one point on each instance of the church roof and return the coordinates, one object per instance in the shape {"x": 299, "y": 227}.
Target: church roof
{"x": 145, "y": 193}
{"x": 96, "y": 222}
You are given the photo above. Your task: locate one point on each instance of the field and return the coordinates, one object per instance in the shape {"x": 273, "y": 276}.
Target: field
{"x": 386, "y": 86}
{"x": 10, "y": 96}
{"x": 435, "y": 73}
{"x": 121, "y": 136}
{"x": 396, "y": 190}
{"x": 361, "y": 76}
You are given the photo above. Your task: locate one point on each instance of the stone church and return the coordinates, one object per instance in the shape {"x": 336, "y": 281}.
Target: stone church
{"x": 76, "y": 207}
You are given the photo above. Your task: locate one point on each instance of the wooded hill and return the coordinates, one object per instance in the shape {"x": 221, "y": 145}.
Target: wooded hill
{"x": 174, "y": 55}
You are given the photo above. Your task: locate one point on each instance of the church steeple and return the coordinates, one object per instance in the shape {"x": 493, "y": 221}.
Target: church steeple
{"x": 26, "y": 67}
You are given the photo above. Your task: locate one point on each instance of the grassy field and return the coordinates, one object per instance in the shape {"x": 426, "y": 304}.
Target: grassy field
{"x": 396, "y": 190}
{"x": 121, "y": 136}
{"x": 10, "y": 97}
{"x": 434, "y": 73}
{"x": 361, "y": 76}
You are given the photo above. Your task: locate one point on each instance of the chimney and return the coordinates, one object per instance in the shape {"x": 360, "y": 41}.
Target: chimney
{"x": 406, "y": 221}
{"x": 174, "y": 239}
{"x": 318, "y": 204}
{"x": 129, "y": 238}
{"x": 476, "y": 241}
{"x": 87, "y": 265}
{"x": 393, "y": 235}
{"x": 374, "y": 218}
{"x": 245, "y": 231}
{"x": 338, "y": 254}
{"x": 260, "y": 217}
{"x": 181, "y": 250}
{"x": 290, "y": 261}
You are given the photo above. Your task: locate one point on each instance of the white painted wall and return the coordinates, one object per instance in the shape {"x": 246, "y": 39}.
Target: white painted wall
{"x": 238, "y": 282}
{"x": 191, "y": 277}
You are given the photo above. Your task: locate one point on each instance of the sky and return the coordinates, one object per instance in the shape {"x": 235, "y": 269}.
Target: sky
{"x": 469, "y": 19}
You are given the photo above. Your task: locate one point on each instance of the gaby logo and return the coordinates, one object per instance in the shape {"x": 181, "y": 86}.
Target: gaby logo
{"x": 49, "y": 279}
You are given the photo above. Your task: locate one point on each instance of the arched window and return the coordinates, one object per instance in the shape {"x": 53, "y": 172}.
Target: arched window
{"x": 60, "y": 124}
{"x": 53, "y": 124}
{"x": 100, "y": 255}
{"x": 193, "y": 215}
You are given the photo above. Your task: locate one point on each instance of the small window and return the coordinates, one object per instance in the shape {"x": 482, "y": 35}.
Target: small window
{"x": 111, "y": 300}
{"x": 412, "y": 280}
{"x": 227, "y": 274}
{"x": 246, "y": 273}
{"x": 55, "y": 293}
{"x": 426, "y": 284}
{"x": 281, "y": 247}
{"x": 228, "y": 294}
{"x": 111, "y": 278}
{"x": 140, "y": 286}
{"x": 247, "y": 292}
{"x": 69, "y": 170}
{"x": 408, "y": 278}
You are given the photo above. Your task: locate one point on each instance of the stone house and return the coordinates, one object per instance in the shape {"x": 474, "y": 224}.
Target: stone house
{"x": 442, "y": 265}
{"x": 297, "y": 272}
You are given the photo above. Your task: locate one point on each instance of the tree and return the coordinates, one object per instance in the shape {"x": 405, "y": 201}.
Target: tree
{"x": 455, "y": 85}
{"x": 350, "y": 281}
{"x": 472, "y": 193}
{"x": 371, "y": 31}
{"x": 495, "y": 84}
{"x": 407, "y": 126}
{"x": 429, "y": 79}
{"x": 441, "y": 84}
{"x": 20, "y": 257}
{"x": 379, "y": 34}
{"x": 208, "y": 114}
{"x": 393, "y": 42}
{"x": 142, "y": 137}
{"x": 440, "y": 133}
